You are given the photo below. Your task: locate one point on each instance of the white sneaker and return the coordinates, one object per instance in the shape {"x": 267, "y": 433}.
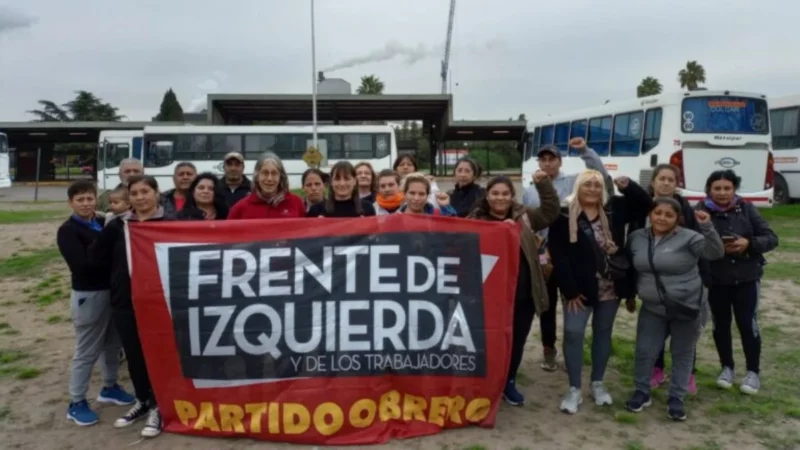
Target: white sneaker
{"x": 750, "y": 384}
{"x": 600, "y": 394}
{"x": 572, "y": 400}
{"x": 152, "y": 427}
{"x": 725, "y": 378}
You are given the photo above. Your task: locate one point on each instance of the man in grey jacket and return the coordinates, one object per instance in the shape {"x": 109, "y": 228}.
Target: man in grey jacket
{"x": 665, "y": 257}
{"x": 550, "y": 163}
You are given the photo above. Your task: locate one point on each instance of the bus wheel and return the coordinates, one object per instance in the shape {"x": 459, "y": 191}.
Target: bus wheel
{"x": 781, "y": 191}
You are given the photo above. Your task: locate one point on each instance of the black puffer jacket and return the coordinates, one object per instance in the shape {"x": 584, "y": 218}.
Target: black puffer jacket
{"x": 465, "y": 198}
{"x": 743, "y": 220}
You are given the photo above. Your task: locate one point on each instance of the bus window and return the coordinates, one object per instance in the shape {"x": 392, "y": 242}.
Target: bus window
{"x": 731, "y": 115}
{"x": 599, "y": 135}
{"x": 113, "y": 154}
{"x": 548, "y": 133}
{"x": 222, "y": 144}
{"x": 158, "y": 151}
{"x": 562, "y": 138}
{"x": 652, "y": 129}
{"x": 578, "y": 129}
{"x": 785, "y": 130}
{"x": 190, "y": 147}
{"x": 627, "y": 134}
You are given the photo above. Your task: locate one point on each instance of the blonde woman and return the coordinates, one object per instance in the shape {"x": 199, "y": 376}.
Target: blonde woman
{"x": 587, "y": 244}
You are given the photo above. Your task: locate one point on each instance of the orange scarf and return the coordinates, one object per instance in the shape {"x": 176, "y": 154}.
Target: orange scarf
{"x": 390, "y": 203}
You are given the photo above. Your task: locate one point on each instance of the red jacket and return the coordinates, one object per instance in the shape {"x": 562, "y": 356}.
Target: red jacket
{"x": 252, "y": 207}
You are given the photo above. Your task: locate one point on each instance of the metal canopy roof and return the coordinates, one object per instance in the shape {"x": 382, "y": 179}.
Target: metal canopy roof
{"x": 486, "y": 130}
{"x": 248, "y": 107}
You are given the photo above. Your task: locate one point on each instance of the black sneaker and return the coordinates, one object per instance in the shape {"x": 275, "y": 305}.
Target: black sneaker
{"x": 675, "y": 409}
{"x": 137, "y": 411}
{"x": 638, "y": 401}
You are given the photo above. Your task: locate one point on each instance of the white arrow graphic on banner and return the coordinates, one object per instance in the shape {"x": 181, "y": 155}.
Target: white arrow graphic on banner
{"x": 487, "y": 264}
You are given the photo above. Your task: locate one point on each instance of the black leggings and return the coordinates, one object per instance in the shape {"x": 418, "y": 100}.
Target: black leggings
{"x": 739, "y": 302}
{"x": 547, "y": 320}
{"x": 125, "y": 322}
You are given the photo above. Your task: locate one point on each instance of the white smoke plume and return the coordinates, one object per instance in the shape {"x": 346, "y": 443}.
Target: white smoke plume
{"x": 412, "y": 55}
{"x": 11, "y": 20}
{"x": 207, "y": 86}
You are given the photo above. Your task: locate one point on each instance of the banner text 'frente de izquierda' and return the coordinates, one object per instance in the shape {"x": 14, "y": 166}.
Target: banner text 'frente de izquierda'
{"x": 337, "y": 332}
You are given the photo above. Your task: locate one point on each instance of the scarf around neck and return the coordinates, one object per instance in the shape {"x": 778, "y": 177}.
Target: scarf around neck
{"x": 390, "y": 203}
{"x": 713, "y": 206}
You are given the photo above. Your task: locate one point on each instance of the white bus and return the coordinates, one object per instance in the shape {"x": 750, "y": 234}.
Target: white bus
{"x": 161, "y": 148}
{"x": 5, "y": 162}
{"x": 785, "y": 120}
{"x": 697, "y": 131}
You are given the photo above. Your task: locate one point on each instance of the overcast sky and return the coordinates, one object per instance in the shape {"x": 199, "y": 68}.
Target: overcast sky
{"x": 509, "y": 56}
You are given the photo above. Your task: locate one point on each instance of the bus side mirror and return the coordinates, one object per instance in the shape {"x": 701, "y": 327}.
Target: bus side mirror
{"x": 653, "y": 160}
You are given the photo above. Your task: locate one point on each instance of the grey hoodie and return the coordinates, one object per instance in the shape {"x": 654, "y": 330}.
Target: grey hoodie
{"x": 675, "y": 259}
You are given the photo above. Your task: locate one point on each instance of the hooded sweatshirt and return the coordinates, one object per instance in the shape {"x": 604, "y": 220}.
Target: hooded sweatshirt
{"x": 675, "y": 258}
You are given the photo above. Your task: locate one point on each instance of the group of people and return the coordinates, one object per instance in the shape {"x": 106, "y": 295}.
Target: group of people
{"x": 579, "y": 241}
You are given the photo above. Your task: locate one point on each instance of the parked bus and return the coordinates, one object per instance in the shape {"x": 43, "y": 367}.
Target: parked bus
{"x": 161, "y": 148}
{"x": 5, "y": 162}
{"x": 785, "y": 120}
{"x": 697, "y": 131}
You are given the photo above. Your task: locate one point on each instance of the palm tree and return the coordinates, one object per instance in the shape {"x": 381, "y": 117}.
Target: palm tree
{"x": 85, "y": 107}
{"x": 649, "y": 86}
{"x": 693, "y": 75}
{"x": 370, "y": 85}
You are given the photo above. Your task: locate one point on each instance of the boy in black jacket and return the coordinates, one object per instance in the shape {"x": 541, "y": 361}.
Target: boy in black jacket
{"x": 91, "y": 311}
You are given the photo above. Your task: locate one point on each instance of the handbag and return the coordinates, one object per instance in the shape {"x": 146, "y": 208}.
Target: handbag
{"x": 675, "y": 310}
{"x": 613, "y": 267}
{"x": 545, "y": 261}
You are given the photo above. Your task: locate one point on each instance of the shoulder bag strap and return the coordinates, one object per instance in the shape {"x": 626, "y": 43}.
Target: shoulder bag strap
{"x": 650, "y": 251}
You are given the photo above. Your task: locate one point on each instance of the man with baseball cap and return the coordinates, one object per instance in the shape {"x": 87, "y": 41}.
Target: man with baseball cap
{"x": 550, "y": 163}
{"x": 235, "y": 185}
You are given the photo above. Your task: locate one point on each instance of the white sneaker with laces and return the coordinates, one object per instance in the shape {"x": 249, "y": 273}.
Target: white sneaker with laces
{"x": 750, "y": 384}
{"x": 572, "y": 400}
{"x": 600, "y": 394}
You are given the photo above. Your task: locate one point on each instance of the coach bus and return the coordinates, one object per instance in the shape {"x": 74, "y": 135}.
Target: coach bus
{"x": 785, "y": 121}
{"x": 697, "y": 131}
{"x": 5, "y": 162}
{"x": 161, "y": 148}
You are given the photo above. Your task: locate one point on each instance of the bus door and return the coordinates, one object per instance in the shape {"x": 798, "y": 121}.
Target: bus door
{"x": 109, "y": 156}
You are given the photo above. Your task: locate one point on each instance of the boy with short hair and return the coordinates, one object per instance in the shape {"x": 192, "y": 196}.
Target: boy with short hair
{"x": 91, "y": 312}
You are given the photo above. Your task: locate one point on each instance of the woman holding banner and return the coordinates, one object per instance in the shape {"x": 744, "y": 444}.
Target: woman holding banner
{"x": 110, "y": 250}
{"x": 499, "y": 204}
{"x": 593, "y": 273}
{"x": 313, "y": 181}
{"x": 343, "y": 199}
{"x": 271, "y": 197}
{"x": 389, "y": 198}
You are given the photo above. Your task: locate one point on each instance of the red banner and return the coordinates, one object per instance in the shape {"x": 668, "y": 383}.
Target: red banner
{"x": 334, "y": 331}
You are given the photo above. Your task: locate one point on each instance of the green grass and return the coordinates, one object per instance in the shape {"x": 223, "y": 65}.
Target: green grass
{"x": 782, "y": 271}
{"x": 29, "y": 265}
{"x": 17, "y": 217}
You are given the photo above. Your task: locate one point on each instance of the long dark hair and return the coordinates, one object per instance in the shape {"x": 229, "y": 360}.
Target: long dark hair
{"x": 405, "y": 157}
{"x": 314, "y": 171}
{"x": 191, "y": 210}
{"x": 482, "y": 204}
{"x": 339, "y": 169}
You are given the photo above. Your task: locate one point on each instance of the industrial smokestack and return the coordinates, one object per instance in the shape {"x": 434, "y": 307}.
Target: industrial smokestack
{"x": 321, "y": 76}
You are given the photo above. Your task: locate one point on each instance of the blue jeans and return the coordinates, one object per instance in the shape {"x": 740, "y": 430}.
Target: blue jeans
{"x": 603, "y": 315}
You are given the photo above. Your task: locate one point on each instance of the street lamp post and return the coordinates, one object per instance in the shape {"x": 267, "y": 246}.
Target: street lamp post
{"x": 313, "y": 78}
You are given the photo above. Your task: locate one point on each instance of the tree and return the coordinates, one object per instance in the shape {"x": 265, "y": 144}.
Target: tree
{"x": 693, "y": 75}
{"x": 171, "y": 110}
{"x": 85, "y": 107}
{"x": 370, "y": 85}
{"x": 522, "y": 117}
{"x": 649, "y": 86}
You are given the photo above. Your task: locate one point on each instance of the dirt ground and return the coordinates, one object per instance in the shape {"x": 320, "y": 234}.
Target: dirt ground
{"x": 36, "y": 343}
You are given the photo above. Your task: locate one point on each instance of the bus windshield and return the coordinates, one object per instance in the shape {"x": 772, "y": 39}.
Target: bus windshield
{"x": 725, "y": 115}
